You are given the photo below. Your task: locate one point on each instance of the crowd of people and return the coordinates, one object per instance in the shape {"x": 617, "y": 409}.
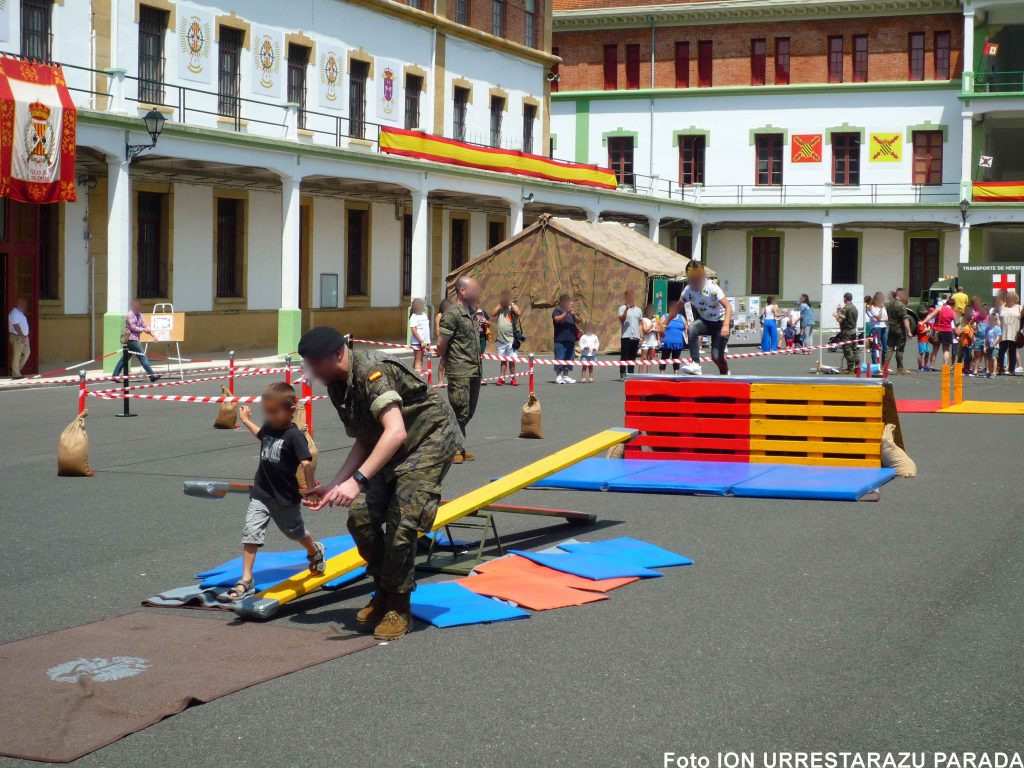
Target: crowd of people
{"x": 647, "y": 339}
{"x": 791, "y": 328}
{"x": 958, "y": 327}
{"x": 964, "y": 329}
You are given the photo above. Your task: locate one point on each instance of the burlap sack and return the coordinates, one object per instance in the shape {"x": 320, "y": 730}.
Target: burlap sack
{"x": 227, "y": 415}
{"x": 895, "y": 457}
{"x": 531, "y": 425}
{"x": 73, "y": 450}
{"x": 616, "y": 452}
{"x": 313, "y": 452}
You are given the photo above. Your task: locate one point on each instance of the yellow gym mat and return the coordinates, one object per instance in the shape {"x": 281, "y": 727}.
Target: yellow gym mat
{"x": 988, "y": 408}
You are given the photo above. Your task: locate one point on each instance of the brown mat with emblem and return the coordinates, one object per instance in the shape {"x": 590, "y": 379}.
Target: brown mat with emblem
{"x": 68, "y": 693}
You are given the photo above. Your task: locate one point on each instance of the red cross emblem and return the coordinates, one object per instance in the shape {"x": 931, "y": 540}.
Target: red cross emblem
{"x": 1003, "y": 282}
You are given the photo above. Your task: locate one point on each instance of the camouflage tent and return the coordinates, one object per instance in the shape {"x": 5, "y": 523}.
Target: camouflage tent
{"x": 592, "y": 262}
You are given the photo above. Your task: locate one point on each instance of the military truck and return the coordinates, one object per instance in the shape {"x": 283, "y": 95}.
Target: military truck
{"x": 981, "y": 279}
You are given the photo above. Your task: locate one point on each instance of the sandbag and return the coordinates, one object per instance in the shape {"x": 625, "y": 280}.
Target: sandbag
{"x": 617, "y": 451}
{"x": 73, "y": 449}
{"x": 894, "y": 457}
{"x": 531, "y": 425}
{"x": 227, "y": 415}
{"x": 299, "y": 419}
{"x": 313, "y": 452}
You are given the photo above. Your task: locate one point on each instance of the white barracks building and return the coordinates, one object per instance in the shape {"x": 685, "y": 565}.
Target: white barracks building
{"x": 789, "y": 144}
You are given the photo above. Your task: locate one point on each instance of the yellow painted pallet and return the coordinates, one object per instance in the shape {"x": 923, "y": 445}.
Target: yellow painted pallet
{"x": 265, "y": 604}
{"x": 825, "y": 424}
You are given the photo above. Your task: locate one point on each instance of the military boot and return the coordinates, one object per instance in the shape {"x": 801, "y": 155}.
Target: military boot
{"x": 374, "y": 611}
{"x": 397, "y": 621}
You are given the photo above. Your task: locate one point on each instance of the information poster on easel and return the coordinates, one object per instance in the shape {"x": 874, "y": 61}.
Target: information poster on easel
{"x": 166, "y": 327}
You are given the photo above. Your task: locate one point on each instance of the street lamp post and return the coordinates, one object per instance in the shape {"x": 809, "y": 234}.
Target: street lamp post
{"x": 154, "y": 121}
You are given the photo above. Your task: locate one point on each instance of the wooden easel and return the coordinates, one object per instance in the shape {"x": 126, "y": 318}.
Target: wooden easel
{"x": 166, "y": 327}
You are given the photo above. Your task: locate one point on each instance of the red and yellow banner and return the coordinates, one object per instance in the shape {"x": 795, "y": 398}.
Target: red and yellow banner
{"x": 806, "y": 148}
{"x": 395, "y": 141}
{"x": 37, "y": 133}
{"x": 999, "y": 191}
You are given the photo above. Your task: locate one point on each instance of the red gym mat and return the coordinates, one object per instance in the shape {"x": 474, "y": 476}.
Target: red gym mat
{"x": 918, "y": 406}
{"x": 534, "y": 592}
{"x": 521, "y": 566}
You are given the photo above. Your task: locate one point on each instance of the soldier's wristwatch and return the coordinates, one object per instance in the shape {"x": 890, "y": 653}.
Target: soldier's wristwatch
{"x": 360, "y": 478}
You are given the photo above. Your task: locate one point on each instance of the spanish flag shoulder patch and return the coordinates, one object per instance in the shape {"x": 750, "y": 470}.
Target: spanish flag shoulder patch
{"x": 374, "y": 375}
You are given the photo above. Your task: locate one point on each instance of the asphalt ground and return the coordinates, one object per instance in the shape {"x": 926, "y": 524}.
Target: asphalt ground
{"x": 802, "y": 625}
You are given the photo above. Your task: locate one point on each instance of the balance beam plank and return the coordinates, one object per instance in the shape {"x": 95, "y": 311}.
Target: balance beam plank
{"x": 817, "y": 392}
{"x": 265, "y": 605}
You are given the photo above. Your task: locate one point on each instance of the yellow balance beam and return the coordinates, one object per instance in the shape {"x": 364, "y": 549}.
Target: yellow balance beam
{"x": 264, "y": 605}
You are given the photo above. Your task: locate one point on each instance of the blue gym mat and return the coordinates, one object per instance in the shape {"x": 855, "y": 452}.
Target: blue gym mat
{"x": 629, "y": 550}
{"x": 789, "y": 481}
{"x": 594, "y": 474}
{"x": 599, "y": 565}
{"x": 446, "y": 604}
{"x": 711, "y": 478}
{"x": 773, "y": 481}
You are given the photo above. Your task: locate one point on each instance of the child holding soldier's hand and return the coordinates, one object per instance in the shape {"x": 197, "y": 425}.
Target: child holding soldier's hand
{"x": 275, "y": 489}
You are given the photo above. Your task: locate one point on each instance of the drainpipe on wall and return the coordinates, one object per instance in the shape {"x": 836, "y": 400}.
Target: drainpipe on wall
{"x": 650, "y": 125}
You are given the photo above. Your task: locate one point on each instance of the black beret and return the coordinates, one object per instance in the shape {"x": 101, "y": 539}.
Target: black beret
{"x": 320, "y": 342}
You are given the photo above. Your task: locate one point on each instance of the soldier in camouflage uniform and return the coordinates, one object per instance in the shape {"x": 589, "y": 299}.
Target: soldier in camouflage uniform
{"x": 406, "y": 437}
{"x": 458, "y": 347}
{"x": 847, "y": 317}
{"x": 899, "y": 328}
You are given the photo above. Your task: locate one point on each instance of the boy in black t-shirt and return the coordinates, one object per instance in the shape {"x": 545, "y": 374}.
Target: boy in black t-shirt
{"x": 275, "y": 489}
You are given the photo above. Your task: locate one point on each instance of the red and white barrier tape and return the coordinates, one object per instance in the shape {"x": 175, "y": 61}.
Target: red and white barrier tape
{"x": 68, "y": 368}
{"x": 516, "y": 375}
{"x": 245, "y": 400}
{"x": 239, "y": 373}
{"x": 659, "y": 361}
{"x": 619, "y": 363}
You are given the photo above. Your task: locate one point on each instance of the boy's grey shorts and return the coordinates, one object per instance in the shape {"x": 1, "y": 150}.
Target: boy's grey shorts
{"x": 288, "y": 518}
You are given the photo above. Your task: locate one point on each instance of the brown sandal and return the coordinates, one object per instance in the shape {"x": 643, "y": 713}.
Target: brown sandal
{"x": 240, "y": 591}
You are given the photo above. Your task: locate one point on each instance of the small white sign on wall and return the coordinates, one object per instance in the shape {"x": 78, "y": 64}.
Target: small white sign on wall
{"x": 195, "y": 44}
{"x": 267, "y": 62}
{"x": 5, "y": 20}
{"x": 331, "y": 78}
{"x": 388, "y": 74}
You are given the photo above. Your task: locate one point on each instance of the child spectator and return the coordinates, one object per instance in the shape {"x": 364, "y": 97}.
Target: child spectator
{"x": 650, "y": 340}
{"x": 923, "y": 349}
{"x": 978, "y": 364}
{"x": 673, "y": 336}
{"x": 789, "y": 334}
{"x": 965, "y": 335}
{"x": 992, "y": 338}
{"x": 419, "y": 333}
{"x": 275, "y": 489}
{"x": 589, "y": 345}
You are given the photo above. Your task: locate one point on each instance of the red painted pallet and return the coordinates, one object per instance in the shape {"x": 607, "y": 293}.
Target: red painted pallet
{"x": 688, "y": 420}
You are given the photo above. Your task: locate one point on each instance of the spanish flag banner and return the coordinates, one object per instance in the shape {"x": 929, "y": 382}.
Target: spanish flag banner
{"x": 37, "y": 133}
{"x": 999, "y": 191}
{"x": 395, "y": 141}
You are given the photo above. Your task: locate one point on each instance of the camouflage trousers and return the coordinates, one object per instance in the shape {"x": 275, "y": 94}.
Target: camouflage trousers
{"x": 850, "y": 352}
{"x": 897, "y": 343}
{"x": 463, "y": 395}
{"x": 388, "y": 517}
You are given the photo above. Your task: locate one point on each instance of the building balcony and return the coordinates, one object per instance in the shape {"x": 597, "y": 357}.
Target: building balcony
{"x": 977, "y": 84}
{"x": 793, "y": 194}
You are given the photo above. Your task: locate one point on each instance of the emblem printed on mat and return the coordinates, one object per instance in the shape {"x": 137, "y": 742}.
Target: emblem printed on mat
{"x": 97, "y": 669}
